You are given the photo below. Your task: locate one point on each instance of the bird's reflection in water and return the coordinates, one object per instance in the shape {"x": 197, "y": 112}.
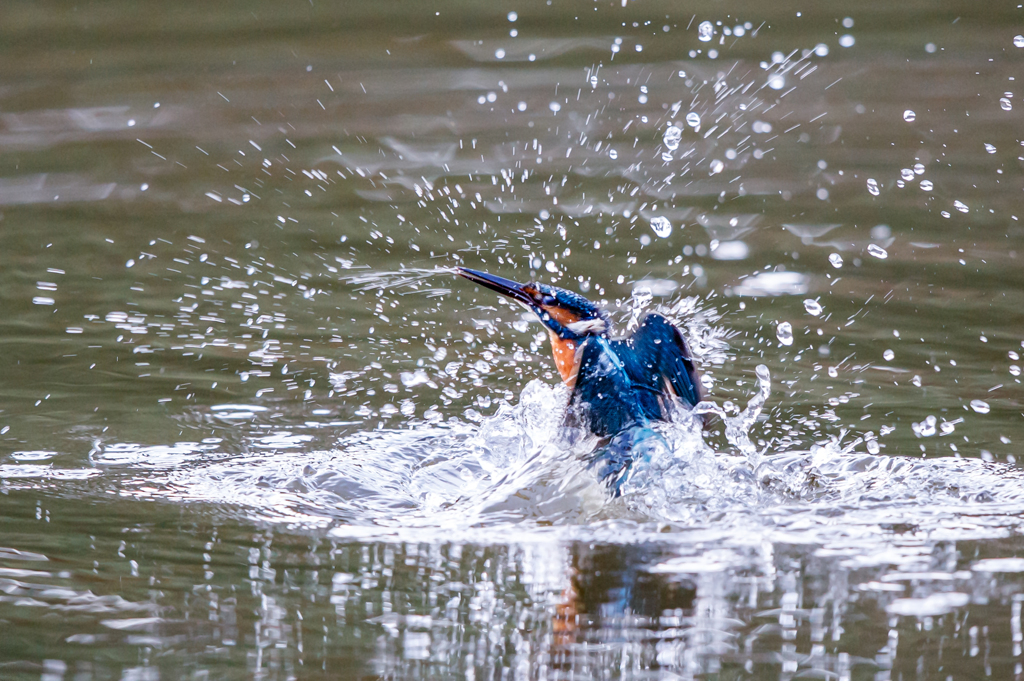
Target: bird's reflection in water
{"x": 614, "y": 600}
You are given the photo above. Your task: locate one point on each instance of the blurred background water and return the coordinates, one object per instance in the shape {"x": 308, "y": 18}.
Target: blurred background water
{"x": 252, "y": 427}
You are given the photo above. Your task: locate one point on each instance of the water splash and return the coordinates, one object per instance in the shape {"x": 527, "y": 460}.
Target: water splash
{"x": 661, "y": 226}
{"x": 980, "y": 406}
{"x": 812, "y": 306}
{"x": 639, "y": 302}
{"x": 784, "y": 332}
{"x": 737, "y": 429}
{"x": 673, "y": 135}
{"x": 877, "y": 251}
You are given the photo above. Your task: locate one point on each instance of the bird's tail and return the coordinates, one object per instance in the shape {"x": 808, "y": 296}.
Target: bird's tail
{"x": 624, "y": 454}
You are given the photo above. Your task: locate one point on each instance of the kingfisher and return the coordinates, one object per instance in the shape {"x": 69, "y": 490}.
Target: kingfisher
{"x": 619, "y": 386}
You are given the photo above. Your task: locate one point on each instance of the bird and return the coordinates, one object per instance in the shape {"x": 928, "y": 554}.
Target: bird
{"x": 619, "y": 386}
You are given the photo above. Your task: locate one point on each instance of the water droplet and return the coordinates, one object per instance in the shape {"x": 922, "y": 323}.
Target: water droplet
{"x": 926, "y": 185}
{"x": 411, "y": 379}
{"x": 889, "y": 355}
{"x": 555, "y": 106}
{"x": 872, "y": 446}
{"x": 1005, "y": 104}
{"x": 1018, "y": 40}
{"x": 612, "y": 154}
{"x": 878, "y": 251}
{"x": 960, "y": 206}
{"x": 907, "y": 174}
{"x": 980, "y": 406}
{"x": 717, "y": 167}
{"x": 919, "y": 169}
{"x": 784, "y": 332}
{"x": 777, "y": 82}
{"x": 873, "y": 186}
{"x": 916, "y": 380}
{"x": 926, "y": 428}
{"x": 499, "y": 53}
{"x": 1014, "y": 370}
{"x": 833, "y": 372}
{"x": 705, "y": 31}
{"x": 593, "y": 81}
{"x": 836, "y": 260}
{"x": 672, "y": 137}
{"x": 813, "y": 307}
{"x": 990, "y": 148}
{"x": 846, "y": 41}
{"x": 512, "y": 16}
{"x": 909, "y": 116}
{"x": 661, "y": 226}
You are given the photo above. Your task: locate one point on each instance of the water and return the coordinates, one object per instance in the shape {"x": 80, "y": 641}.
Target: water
{"x": 813, "y": 307}
{"x": 251, "y": 425}
{"x": 673, "y": 135}
{"x": 784, "y": 332}
{"x": 661, "y": 226}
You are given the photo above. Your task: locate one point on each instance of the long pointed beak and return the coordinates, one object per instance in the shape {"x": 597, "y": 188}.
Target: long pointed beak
{"x": 505, "y": 287}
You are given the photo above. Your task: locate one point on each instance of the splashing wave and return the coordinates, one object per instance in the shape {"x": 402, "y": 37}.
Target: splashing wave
{"x": 520, "y": 470}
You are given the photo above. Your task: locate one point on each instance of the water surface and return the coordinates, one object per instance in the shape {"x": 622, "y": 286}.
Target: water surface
{"x": 251, "y": 426}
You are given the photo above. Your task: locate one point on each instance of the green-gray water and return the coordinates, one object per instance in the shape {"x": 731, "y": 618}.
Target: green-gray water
{"x": 252, "y": 427}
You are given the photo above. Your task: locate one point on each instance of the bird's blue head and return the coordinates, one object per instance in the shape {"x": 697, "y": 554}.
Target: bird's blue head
{"x": 566, "y": 314}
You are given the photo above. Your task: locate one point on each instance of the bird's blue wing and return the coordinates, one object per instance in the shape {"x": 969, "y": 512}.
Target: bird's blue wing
{"x": 605, "y": 394}
{"x": 622, "y": 385}
{"x": 658, "y": 356}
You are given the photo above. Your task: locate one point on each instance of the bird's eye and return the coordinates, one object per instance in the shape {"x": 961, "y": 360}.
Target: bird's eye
{"x": 548, "y": 300}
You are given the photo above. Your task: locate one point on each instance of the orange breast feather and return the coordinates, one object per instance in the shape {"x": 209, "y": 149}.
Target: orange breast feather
{"x": 565, "y": 358}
